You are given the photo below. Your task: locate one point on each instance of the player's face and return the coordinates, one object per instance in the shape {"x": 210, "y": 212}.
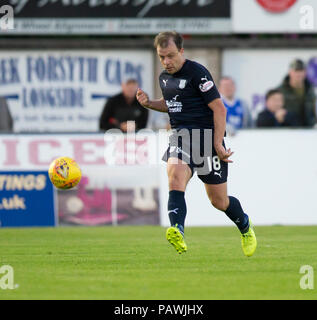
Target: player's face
{"x": 171, "y": 58}
{"x": 275, "y": 102}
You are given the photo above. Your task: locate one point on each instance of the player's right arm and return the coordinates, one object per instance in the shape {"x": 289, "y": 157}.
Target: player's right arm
{"x": 157, "y": 105}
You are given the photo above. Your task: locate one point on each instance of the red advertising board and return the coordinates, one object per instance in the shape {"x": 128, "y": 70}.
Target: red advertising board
{"x": 276, "y": 6}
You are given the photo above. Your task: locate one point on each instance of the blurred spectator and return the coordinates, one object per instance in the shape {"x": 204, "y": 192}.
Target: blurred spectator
{"x": 6, "y": 122}
{"x": 275, "y": 115}
{"x": 299, "y": 94}
{"x": 158, "y": 120}
{"x": 238, "y": 113}
{"x": 122, "y": 108}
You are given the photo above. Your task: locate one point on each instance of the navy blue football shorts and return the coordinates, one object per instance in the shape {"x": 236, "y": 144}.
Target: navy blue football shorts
{"x": 196, "y": 148}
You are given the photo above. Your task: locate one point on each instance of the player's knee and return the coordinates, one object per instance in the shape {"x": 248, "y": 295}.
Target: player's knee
{"x": 175, "y": 181}
{"x": 176, "y": 184}
{"x": 220, "y": 203}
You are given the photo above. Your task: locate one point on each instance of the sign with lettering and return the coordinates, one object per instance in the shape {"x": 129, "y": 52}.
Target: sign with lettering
{"x": 100, "y": 153}
{"x": 26, "y": 199}
{"x": 67, "y": 90}
{"x": 120, "y": 16}
{"x": 119, "y": 182}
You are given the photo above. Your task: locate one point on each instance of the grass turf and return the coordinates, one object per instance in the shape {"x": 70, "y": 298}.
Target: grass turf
{"x": 138, "y": 263}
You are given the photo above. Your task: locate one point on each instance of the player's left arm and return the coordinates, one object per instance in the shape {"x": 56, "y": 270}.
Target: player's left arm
{"x": 207, "y": 88}
{"x": 220, "y": 113}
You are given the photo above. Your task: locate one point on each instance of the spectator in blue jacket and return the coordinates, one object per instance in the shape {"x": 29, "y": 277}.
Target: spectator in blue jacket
{"x": 238, "y": 113}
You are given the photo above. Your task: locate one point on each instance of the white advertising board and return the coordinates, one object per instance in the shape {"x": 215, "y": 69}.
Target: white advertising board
{"x": 275, "y": 183}
{"x": 105, "y": 159}
{"x": 49, "y": 91}
{"x": 271, "y": 177}
{"x": 271, "y": 16}
{"x": 121, "y": 26}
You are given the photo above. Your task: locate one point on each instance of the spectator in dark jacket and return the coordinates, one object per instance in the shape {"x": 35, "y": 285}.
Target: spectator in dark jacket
{"x": 299, "y": 94}
{"x": 275, "y": 115}
{"x": 6, "y": 122}
{"x": 122, "y": 108}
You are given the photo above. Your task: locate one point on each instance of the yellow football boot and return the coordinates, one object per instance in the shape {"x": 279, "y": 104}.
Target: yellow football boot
{"x": 176, "y": 239}
{"x": 248, "y": 241}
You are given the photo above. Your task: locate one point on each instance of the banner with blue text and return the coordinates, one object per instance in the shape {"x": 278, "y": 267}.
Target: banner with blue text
{"x": 66, "y": 90}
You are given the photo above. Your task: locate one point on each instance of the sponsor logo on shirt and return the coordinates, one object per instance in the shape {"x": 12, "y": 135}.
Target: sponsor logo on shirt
{"x": 174, "y": 105}
{"x": 206, "y": 85}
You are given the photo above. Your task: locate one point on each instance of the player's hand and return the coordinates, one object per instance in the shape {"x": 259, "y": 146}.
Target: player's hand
{"x": 128, "y": 126}
{"x": 143, "y": 98}
{"x": 224, "y": 154}
{"x": 123, "y": 126}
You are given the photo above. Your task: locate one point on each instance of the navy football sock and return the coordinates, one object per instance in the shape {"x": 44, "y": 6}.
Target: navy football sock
{"x": 236, "y": 214}
{"x": 177, "y": 209}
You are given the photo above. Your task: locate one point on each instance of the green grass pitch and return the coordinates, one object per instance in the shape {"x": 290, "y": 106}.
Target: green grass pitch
{"x": 138, "y": 263}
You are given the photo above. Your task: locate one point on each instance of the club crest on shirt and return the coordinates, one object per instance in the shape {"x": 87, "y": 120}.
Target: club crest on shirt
{"x": 206, "y": 85}
{"x": 182, "y": 83}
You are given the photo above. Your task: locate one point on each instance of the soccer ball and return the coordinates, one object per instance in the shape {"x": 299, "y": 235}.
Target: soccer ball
{"x": 64, "y": 173}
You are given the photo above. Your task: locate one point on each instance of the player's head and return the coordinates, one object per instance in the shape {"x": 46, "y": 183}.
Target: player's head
{"x": 297, "y": 72}
{"x": 129, "y": 88}
{"x": 227, "y": 87}
{"x": 169, "y": 47}
{"x": 274, "y": 100}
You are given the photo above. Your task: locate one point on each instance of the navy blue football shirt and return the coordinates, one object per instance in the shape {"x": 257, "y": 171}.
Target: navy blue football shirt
{"x": 187, "y": 94}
